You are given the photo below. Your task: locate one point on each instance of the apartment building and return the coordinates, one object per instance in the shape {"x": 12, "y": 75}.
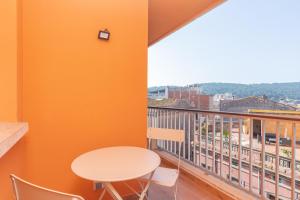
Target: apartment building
{"x": 245, "y": 104}
{"x": 191, "y": 95}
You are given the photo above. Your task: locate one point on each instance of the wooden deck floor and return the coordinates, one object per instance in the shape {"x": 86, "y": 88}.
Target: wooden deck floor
{"x": 189, "y": 188}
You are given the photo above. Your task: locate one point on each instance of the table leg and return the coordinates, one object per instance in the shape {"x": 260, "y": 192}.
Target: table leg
{"x": 112, "y": 191}
{"x": 142, "y": 196}
{"x": 102, "y": 194}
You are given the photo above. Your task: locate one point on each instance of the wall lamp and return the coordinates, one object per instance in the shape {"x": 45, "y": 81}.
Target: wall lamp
{"x": 104, "y": 34}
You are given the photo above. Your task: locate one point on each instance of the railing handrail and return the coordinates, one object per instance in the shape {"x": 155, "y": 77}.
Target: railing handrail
{"x": 255, "y": 116}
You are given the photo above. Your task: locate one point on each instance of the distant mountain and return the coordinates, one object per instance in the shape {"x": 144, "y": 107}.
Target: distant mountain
{"x": 273, "y": 91}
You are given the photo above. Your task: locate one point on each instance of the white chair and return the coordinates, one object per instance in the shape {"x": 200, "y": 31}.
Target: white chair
{"x": 28, "y": 191}
{"x": 166, "y": 176}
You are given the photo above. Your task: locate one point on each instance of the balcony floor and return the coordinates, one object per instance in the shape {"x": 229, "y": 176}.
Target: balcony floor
{"x": 189, "y": 188}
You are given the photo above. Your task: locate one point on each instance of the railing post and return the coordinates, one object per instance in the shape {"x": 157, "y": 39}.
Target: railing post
{"x": 189, "y": 137}
{"x": 240, "y": 150}
{"x": 277, "y": 161}
{"x": 179, "y": 125}
{"x": 184, "y": 128}
{"x": 194, "y": 141}
{"x": 206, "y": 143}
{"x": 156, "y": 118}
{"x": 250, "y": 155}
{"x": 148, "y": 118}
{"x": 263, "y": 142}
{"x": 221, "y": 146}
{"x": 164, "y": 126}
{"x": 229, "y": 148}
{"x": 293, "y": 166}
{"x": 200, "y": 138}
{"x": 151, "y": 117}
{"x": 171, "y": 124}
{"x": 175, "y": 143}
{"x": 213, "y": 144}
{"x": 155, "y": 125}
{"x": 160, "y": 118}
{"x": 167, "y": 126}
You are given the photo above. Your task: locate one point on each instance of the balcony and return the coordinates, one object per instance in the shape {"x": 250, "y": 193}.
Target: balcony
{"x": 246, "y": 140}
{"x": 78, "y": 92}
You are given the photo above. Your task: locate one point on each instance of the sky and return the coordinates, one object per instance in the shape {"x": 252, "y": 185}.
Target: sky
{"x": 240, "y": 41}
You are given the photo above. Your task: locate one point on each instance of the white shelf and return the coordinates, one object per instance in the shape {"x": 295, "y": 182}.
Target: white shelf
{"x": 10, "y": 134}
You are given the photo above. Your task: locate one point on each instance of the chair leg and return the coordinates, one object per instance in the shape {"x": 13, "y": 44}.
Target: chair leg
{"x": 142, "y": 188}
{"x": 141, "y": 185}
{"x": 147, "y": 196}
{"x": 175, "y": 192}
{"x": 102, "y": 194}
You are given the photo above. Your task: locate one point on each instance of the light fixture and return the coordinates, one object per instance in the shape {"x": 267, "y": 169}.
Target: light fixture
{"x": 104, "y": 35}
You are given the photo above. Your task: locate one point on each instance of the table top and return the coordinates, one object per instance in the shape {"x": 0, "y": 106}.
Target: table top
{"x": 112, "y": 164}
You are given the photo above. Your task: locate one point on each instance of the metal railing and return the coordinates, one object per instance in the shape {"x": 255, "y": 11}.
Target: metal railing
{"x": 256, "y": 153}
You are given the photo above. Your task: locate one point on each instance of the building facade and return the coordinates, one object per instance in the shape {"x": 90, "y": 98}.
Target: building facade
{"x": 191, "y": 96}
{"x": 245, "y": 104}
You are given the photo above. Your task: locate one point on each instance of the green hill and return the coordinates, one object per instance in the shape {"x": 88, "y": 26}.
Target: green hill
{"x": 274, "y": 91}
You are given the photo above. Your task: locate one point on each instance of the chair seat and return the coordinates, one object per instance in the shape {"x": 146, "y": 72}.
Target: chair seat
{"x": 164, "y": 176}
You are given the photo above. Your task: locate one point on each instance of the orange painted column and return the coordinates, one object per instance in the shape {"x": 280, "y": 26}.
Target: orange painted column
{"x": 81, "y": 93}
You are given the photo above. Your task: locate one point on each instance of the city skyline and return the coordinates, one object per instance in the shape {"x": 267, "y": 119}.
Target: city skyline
{"x": 229, "y": 40}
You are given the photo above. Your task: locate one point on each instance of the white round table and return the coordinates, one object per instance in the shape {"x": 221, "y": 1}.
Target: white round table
{"x": 114, "y": 164}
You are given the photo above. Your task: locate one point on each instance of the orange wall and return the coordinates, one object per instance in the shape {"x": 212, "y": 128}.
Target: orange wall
{"x": 8, "y": 60}
{"x": 13, "y": 161}
{"x": 80, "y": 93}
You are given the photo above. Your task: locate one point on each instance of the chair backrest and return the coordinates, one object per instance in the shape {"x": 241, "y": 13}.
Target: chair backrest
{"x": 28, "y": 191}
{"x": 165, "y": 134}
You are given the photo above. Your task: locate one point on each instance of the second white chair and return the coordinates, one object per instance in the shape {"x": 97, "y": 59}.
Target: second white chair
{"x": 166, "y": 176}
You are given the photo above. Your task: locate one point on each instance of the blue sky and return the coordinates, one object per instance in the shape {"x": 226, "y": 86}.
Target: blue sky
{"x": 240, "y": 41}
